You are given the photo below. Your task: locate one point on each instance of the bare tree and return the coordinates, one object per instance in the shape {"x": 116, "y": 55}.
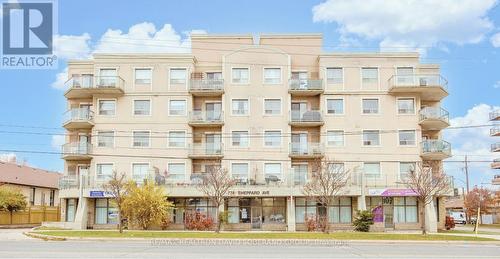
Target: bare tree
{"x": 216, "y": 184}
{"x": 117, "y": 187}
{"x": 327, "y": 180}
{"x": 427, "y": 181}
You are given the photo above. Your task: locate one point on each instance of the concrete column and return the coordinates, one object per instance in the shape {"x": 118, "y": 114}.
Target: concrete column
{"x": 290, "y": 208}
{"x": 81, "y": 214}
{"x": 430, "y": 218}
{"x": 362, "y": 202}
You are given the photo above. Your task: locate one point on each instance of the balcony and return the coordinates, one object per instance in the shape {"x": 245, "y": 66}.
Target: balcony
{"x": 430, "y": 87}
{"x": 69, "y": 182}
{"x": 435, "y": 149}
{"x": 495, "y": 147}
{"x": 495, "y": 131}
{"x": 495, "y": 115}
{"x": 206, "y": 87}
{"x": 433, "y": 118}
{"x": 306, "y": 118}
{"x": 87, "y": 86}
{"x": 77, "y": 151}
{"x": 78, "y": 118}
{"x": 496, "y": 180}
{"x": 306, "y": 150}
{"x": 305, "y": 87}
{"x": 206, "y": 151}
{"x": 206, "y": 118}
{"x": 496, "y": 164}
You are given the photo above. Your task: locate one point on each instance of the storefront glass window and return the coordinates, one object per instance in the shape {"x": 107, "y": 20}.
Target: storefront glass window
{"x": 339, "y": 212}
{"x": 105, "y": 212}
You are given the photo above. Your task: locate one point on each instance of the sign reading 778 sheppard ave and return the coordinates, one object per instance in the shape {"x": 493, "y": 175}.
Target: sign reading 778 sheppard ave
{"x": 28, "y": 29}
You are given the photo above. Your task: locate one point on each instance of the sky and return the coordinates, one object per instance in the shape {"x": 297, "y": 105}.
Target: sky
{"x": 462, "y": 36}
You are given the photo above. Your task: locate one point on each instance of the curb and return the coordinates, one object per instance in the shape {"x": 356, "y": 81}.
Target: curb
{"x": 44, "y": 237}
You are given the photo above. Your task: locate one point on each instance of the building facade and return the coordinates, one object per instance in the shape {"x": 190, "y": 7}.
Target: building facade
{"x": 264, "y": 108}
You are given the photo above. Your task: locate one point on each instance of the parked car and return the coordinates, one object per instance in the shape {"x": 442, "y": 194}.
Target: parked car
{"x": 458, "y": 217}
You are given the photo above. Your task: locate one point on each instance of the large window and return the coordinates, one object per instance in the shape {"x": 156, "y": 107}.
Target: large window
{"x": 369, "y": 75}
{"x": 272, "y": 170}
{"x": 105, "y": 138}
{"x": 272, "y": 75}
{"x": 142, "y": 107}
{"x": 406, "y": 106}
{"x": 240, "y": 107}
{"x": 272, "y": 138}
{"x": 371, "y": 169}
{"x": 104, "y": 171}
{"x": 143, "y": 76}
{"x": 177, "y": 107}
{"x": 105, "y": 212}
{"x": 335, "y": 138}
{"x": 107, "y": 107}
{"x": 239, "y": 171}
{"x": 178, "y": 76}
{"x": 405, "y": 210}
{"x": 371, "y": 138}
{"x": 272, "y": 106}
{"x": 140, "y": 172}
{"x": 335, "y": 106}
{"x": 141, "y": 139}
{"x": 370, "y": 106}
{"x": 176, "y": 172}
{"x": 334, "y": 75}
{"x": 256, "y": 210}
{"x": 177, "y": 139}
{"x": 407, "y": 138}
{"x": 339, "y": 212}
{"x": 405, "y": 168}
{"x": 188, "y": 206}
{"x": 107, "y": 77}
{"x": 240, "y": 138}
{"x": 240, "y": 76}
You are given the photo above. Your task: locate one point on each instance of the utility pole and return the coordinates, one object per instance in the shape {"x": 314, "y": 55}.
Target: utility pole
{"x": 466, "y": 174}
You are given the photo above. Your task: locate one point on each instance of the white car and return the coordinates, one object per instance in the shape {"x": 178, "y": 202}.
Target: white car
{"x": 458, "y": 217}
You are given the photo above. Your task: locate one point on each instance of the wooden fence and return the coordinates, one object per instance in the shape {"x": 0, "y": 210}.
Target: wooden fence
{"x": 32, "y": 215}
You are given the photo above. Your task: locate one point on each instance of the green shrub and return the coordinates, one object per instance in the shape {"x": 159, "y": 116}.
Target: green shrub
{"x": 363, "y": 220}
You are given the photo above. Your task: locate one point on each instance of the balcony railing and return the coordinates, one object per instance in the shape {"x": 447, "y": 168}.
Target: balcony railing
{"x": 495, "y": 147}
{"x": 88, "y": 81}
{"x": 69, "y": 182}
{"x": 495, "y": 115}
{"x": 495, "y": 131}
{"x": 306, "y": 149}
{"x": 78, "y": 115}
{"x": 204, "y": 149}
{"x": 434, "y": 113}
{"x": 496, "y": 164}
{"x": 305, "y": 84}
{"x": 306, "y": 116}
{"x": 436, "y": 146}
{"x": 206, "y": 117}
{"x": 76, "y": 149}
{"x": 206, "y": 85}
{"x": 418, "y": 80}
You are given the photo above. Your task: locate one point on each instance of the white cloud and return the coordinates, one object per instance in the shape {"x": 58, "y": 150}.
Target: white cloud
{"x": 8, "y": 157}
{"x": 495, "y": 40}
{"x": 409, "y": 24}
{"x": 61, "y": 78}
{"x": 72, "y": 46}
{"x": 57, "y": 142}
{"x": 497, "y": 84}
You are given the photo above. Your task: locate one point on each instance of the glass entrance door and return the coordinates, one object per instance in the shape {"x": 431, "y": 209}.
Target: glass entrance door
{"x": 256, "y": 217}
{"x": 299, "y": 143}
{"x": 213, "y": 144}
{"x": 213, "y": 111}
{"x": 388, "y": 212}
{"x": 298, "y": 110}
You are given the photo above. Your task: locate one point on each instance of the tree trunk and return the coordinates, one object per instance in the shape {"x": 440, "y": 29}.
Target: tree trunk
{"x": 424, "y": 231}
{"x": 326, "y": 222}
{"x": 217, "y": 226}
{"x": 120, "y": 223}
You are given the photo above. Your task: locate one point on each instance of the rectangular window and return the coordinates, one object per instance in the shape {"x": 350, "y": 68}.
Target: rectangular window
{"x": 140, "y": 172}
{"x": 240, "y": 138}
{"x": 272, "y": 75}
{"x": 105, "y": 212}
{"x": 104, "y": 171}
{"x": 272, "y": 171}
{"x": 142, "y": 107}
{"x": 406, "y": 106}
{"x": 369, "y": 75}
{"x": 405, "y": 76}
{"x": 371, "y": 138}
{"x": 177, "y": 76}
{"x": 370, "y": 106}
{"x": 143, "y": 76}
{"x": 371, "y": 169}
{"x": 335, "y": 138}
{"x": 335, "y": 106}
{"x": 239, "y": 171}
{"x": 52, "y": 197}
{"x": 406, "y": 137}
{"x": 240, "y": 76}
{"x": 107, "y": 107}
{"x": 272, "y": 106}
{"x": 107, "y": 77}
{"x": 405, "y": 168}
{"x": 177, "y": 139}
{"x": 176, "y": 171}
{"x": 214, "y": 75}
{"x": 240, "y": 107}
{"x": 272, "y": 138}
{"x": 105, "y": 138}
{"x": 405, "y": 210}
{"x": 177, "y": 107}
{"x": 334, "y": 75}
{"x": 141, "y": 139}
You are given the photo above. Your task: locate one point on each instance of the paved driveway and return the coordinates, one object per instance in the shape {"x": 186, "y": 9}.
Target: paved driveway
{"x": 13, "y": 234}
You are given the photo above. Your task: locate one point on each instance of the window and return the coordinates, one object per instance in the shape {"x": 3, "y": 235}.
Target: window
{"x": 104, "y": 171}
{"x": 107, "y": 77}
{"x": 335, "y": 106}
{"x": 140, "y": 172}
{"x": 405, "y": 168}
{"x": 370, "y": 106}
{"x": 369, "y": 75}
{"x": 404, "y": 76}
{"x": 336, "y": 167}
{"x": 176, "y": 171}
{"x": 240, "y": 138}
{"x": 371, "y": 138}
{"x": 406, "y": 106}
{"x": 214, "y": 75}
{"x": 143, "y": 76}
{"x": 105, "y": 212}
{"x": 406, "y": 137}
{"x": 334, "y": 75}
{"x": 177, "y": 76}
{"x": 240, "y": 107}
{"x": 340, "y": 210}
{"x": 177, "y": 139}
{"x": 272, "y": 75}
{"x": 405, "y": 210}
{"x": 52, "y": 197}
{"x": 272, "y": 138}
{"x": 32, "y": 196}
{"x": 335, "y": 138}
{"x": 107, "y": 107}
{"x": 239, "y": 170}
{"x": 371, "y": 169}
{"x": 141, "y": 139}
{"x": 142, "y": 107}
{"x": 272, "y": 170}
{"x": 272, "y": 106}
{"x": 105, "y": 138}
{"x": 177, "y": 107}
{"x": 240, "y": 75}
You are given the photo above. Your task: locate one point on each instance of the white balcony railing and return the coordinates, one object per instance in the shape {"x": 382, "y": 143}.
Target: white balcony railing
{"x": 206, "y": 85}
{"x": 76, "y": 149}
{"x": 206, "y": 149}
{"x": 435, "y": 113}
{"x": 306, "y": 116}
{"x": 90, "y": 82}
{"x": 69, "y": 182}
{"x": 436, "y": 146}
{"x": 206, "y": 116}
{"x": 78, "y": 115}
{"x": 306, "y": 149}
{"x": 418, "y": 80}
{"x": 305, "y": 84}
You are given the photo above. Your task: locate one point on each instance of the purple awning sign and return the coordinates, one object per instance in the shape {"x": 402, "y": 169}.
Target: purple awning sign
{"x": 399, "y": 192}
{"x": 378, "y": 214}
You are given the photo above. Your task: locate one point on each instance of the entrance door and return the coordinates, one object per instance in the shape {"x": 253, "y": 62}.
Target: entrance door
{"x": 301, "y": 79}
{"x": 256, "y": 218}
{"x": 298, "y": 110}
{"x": 83, "y": 143}
{"x": 388, "y": 212}
{"x": 213, "y": 111}
{"x": 84, "y": 113}
{"x": 213, "y": 144}
{"x": 300, "y": 174}
{"x": 299, "y": 143}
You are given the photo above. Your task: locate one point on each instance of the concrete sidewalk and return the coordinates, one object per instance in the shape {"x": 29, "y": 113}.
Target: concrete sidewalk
{"x": 13, "y": 234}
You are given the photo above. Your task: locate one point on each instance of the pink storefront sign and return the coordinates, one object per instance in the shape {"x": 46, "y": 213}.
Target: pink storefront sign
{"x": 399, "y": 192}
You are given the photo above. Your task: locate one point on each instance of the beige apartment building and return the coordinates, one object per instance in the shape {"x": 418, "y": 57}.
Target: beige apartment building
{"x": 264, "y": 108}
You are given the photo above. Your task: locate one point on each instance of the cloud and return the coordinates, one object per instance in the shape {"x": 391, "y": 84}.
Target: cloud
{"x": 72, "y": 46}
{"x": 408, "y": 24}
{"x": 495, "y": 40}
{"x": 61, "y": 79}
{"x": 8, "y": 157}
{"x": 497, "y": 84}
{"x": 57, "y": 142}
